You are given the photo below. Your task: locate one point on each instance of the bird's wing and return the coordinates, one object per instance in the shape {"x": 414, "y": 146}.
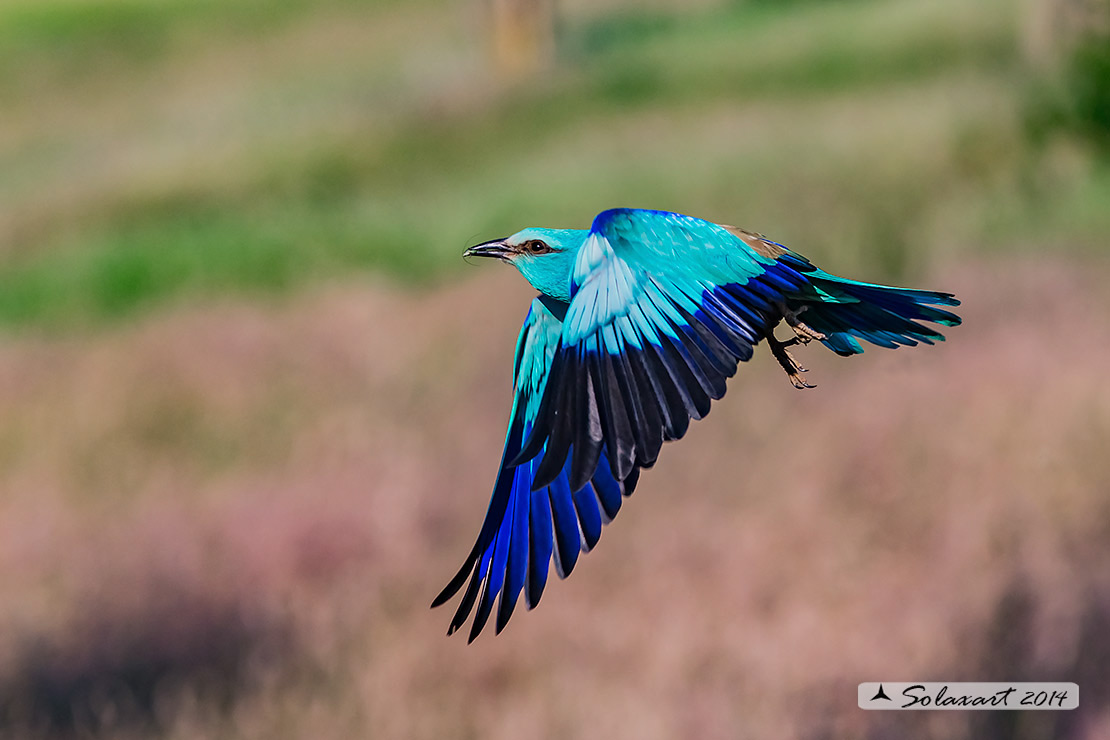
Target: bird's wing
{"x": 663, "y": 307}
{"x": 526, "y": 525}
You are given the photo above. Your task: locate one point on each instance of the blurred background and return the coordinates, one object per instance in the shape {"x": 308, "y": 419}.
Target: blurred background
{"x": 252, "y": 400}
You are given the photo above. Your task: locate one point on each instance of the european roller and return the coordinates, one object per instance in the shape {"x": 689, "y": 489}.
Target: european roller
{"x": 638, "y": 323}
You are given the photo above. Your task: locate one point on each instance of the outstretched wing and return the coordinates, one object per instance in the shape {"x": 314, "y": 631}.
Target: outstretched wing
{"x": 527, "y": 525}
{"x": 663, "y": 308}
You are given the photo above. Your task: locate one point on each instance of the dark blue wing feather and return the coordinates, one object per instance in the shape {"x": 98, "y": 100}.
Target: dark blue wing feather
{"x": 528, "y": 526}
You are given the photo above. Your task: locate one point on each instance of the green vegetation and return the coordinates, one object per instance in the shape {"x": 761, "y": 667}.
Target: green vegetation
{"x": 155, "y": 151}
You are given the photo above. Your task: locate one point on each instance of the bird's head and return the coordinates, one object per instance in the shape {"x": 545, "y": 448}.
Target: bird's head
{"x": 545, "y": 257}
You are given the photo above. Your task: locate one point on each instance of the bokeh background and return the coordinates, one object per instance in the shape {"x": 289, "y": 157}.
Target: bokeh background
{"x": 252, "y": 400}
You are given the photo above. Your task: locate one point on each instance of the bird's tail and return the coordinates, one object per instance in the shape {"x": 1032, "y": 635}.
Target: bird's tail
{"x": 846, "y": 311}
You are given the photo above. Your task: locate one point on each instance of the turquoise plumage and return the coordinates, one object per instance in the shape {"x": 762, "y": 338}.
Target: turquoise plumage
{"x": 639, "y": 322}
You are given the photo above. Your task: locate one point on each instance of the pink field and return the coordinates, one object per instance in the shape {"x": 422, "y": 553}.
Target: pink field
{"x": 229, "y": 522}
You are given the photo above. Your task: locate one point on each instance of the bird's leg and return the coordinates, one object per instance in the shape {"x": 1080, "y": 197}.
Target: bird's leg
{"x": 786, "y": 360}
{"x": 803, "y": 334}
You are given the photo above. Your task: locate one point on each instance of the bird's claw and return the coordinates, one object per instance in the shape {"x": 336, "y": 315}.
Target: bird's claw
{"x": 803, "y": 333}
{"x": 787, "y": 362}
{"x": 800, "y": 383}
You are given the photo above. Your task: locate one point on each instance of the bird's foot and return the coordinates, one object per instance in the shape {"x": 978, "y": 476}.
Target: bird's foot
{"x": 787, "y": 362}
{"x": 803, "y": 333}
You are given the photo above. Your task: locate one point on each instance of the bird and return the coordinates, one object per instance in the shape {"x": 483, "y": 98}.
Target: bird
{"x": 639, "y": 321}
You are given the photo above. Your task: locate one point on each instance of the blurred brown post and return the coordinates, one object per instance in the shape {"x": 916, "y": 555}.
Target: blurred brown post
{"x": 523, "y": 35}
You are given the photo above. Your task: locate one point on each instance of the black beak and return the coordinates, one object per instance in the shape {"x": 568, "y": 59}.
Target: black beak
{"x": 496, "y": 248}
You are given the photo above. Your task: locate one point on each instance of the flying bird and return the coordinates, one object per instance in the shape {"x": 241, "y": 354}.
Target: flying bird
{"x": 639, "y": 321}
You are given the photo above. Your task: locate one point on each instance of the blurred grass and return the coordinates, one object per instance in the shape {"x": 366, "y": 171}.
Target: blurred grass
{"x": 70, "y": 35}
{"x": 299, "y": 141}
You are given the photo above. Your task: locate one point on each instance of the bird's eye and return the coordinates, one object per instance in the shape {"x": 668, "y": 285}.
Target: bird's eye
{"x": 535, "y": 246}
